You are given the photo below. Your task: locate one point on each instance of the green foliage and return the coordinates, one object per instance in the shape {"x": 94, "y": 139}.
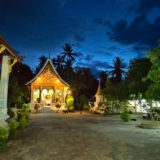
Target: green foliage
{"x": 3, "y": 135}
{"x": 111, "y": 106}
{"x": 117, "y": 69}
{"x": 23, "y": 122}
{"x": 18, "y": 93}
{"x": 125, "y": 116}
{"x": 83, "y": 102}
{"x": 13, "y": 128}
{"x": 10, "y": 112}
{"x": 138, "y": 68}
{"x": 70, "y": 102}
{"x": 154, "y": 73}
{"x": 23, "y": 113}
{"x": 25, "y": 106}
{"x": 118, "y": 91}
{"x": 37, "y": 106}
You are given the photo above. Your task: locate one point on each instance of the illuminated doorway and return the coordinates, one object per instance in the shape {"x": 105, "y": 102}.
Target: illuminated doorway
{"x": 36, "y": 95}
{"x": 48, "y": 96}
{"x": 59, "y": 98}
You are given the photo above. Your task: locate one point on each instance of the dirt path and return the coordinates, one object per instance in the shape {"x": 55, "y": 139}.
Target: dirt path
{"x": 82, "y": 137}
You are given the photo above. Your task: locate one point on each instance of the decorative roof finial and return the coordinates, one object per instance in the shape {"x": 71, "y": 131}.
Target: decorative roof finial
{"x": 49, "y": 56}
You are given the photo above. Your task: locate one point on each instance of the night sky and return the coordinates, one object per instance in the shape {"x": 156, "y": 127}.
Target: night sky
{"x": 99, "y": 29}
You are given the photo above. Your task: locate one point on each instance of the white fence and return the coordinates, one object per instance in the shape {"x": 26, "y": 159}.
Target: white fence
{"x": 143, "y": 106}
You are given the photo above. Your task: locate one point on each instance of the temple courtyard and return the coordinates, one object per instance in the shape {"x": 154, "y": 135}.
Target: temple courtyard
{"x": 76, "y": 136}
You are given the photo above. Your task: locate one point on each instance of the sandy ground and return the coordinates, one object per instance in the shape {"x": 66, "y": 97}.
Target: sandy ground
{"x": 52, "y": 136}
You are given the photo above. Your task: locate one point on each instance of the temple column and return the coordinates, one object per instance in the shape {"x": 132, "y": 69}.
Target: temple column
{"x": 4, "y": 90}
{"x": 41, "y": 94}
{"x": 55, "y": 95}
{"x": 32, "y": 94}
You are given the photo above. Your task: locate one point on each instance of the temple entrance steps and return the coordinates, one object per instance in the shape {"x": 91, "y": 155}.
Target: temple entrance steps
{"x": 47, "y": 110}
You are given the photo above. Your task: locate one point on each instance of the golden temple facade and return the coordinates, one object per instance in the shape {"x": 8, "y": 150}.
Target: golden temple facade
{"x": 47, "y": 87}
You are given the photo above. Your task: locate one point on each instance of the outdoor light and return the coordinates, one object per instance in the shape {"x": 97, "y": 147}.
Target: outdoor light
{"x": 69, "y": 92}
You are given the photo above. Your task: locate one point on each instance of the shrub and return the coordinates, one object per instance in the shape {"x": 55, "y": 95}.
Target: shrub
{"x": 13, "y": 128}
{"x": 86, "y": 107}
{"x": 83, "y": 101}
{"x": 58, "y": 105}
{"x": 19, "y": 115}
{"x": 125, "y": 116}
{"x": 70, "y": 102}
{"x": 25, "y": 106}
{"x": 23, "y": 122}
{"x": 10, "y": 112}
{"x": 3, "y": 135}
{"x": 36, "y": 107}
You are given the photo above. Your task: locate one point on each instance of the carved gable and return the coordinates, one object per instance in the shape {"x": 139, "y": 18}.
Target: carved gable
{"x": 48, "y": 77}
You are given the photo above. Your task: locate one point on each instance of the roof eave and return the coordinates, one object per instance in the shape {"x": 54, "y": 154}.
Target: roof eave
{"x": 9, "y": 49}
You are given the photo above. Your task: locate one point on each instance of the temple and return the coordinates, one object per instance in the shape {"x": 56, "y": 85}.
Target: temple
{"x": 47, "y": 87}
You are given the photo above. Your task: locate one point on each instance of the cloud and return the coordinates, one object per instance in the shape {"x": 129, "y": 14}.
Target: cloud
{"x": 140, "y": 31}
{"x": 147, "y": 5}
{"x": 139, "y": 48}
{"x": 101, "y": 52}
{"x": 95, "y": 66}
{"x": 79, "y": 37}
{"x": 89, "y": 57}
{"x": 99, "y": 21}
{"x": 38, "y": 25}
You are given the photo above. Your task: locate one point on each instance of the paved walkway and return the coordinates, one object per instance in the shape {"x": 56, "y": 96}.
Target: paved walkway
{"x": 82, "y": 137}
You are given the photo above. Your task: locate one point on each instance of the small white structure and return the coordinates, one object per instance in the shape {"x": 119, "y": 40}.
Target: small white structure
{"x": 99, "y": 98}
{"x": 142, "y": 106}
{"x": 7, "y": 55}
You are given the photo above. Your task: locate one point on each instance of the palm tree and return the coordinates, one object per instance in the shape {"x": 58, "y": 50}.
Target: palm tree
{"x": 118, "y": 69}
{"x": 58, "y": 63}
{"x": 68, "y": 56}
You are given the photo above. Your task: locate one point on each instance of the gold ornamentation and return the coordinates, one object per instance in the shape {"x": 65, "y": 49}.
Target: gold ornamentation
{"x": 11, "y": 65}
{"x": 2, "y": 48}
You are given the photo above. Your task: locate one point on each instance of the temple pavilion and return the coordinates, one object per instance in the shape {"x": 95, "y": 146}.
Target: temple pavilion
{"x": 47, "y": 87}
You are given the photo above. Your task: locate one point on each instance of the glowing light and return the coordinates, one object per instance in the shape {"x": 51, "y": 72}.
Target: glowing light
{"x": 69, "y": 92}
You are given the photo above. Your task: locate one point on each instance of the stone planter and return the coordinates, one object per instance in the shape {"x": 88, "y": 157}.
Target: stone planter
{"x": 150, "y": 126}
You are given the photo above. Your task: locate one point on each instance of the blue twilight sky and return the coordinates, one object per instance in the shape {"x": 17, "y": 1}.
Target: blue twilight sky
{"x": 98, "y": 29}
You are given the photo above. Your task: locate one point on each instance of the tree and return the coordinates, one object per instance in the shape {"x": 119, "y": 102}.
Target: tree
{"x": 18, "y": 93}
{"x": 58, "y": 63}
{"x": 68, "y": 55}
{"x": 115, "y": 91}
{"x": 22, "y": 72}
{"x": 103, "y": 78}
{"x": 42, "y": 60}
{"x": 118, "y": 69}
{"x": 153, "y": 91}
{"x": 138, "y": 68}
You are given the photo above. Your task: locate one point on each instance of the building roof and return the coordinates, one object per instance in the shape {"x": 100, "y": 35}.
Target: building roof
{"x": 99, "y": 89}
{"x": 9, "y": 49}
{"x": 48, "y": 61}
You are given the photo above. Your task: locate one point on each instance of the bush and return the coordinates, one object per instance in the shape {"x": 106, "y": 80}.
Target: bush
{"x": 58, "y": 105}
{"x": 10, "y": 112}
{"x": 86, "y": 107}
{"x": 25, "y": 106}
{"x": 83, "y": 101}
{"x": 125, "y": 116}
{"x": 3, "y": 135}
{"x": 13, "y": 128}
{"x": 70, "y": 102}
{"x": 36, "y": 107}
{"x": 23, "y": 122}
{"x": 19, "y": 115}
